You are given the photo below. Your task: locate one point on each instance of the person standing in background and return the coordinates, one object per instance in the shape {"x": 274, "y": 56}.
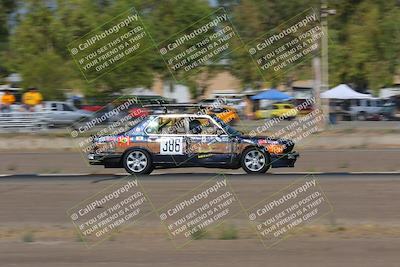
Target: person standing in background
{"x": 6, "y": 101}
{"x": 31, "y": 99}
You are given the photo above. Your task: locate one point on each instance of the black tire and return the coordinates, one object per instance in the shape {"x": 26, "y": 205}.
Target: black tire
{"x": 143, "y": 166}
{"x": 247, "y": 167}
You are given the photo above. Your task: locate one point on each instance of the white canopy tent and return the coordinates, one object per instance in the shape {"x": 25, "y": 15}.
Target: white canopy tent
{"x": 343, "y": 91}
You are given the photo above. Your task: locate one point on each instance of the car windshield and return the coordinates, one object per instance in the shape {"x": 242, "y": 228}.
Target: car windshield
{"x": 229, "y": 129}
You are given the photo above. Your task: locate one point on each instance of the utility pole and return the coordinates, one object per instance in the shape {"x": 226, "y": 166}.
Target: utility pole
{"x": 321, "y": 68}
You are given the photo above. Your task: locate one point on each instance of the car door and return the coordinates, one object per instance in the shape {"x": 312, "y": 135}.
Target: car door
{"x": 58, "y": 114}
{"x": 207, "y": 143}
{"x": 68, "y": 114}
{"x": 54, "y": 113}
{"x": 166, "y": 139}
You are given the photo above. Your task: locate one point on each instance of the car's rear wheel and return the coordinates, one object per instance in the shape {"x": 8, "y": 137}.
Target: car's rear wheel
{"x": 138, "y": 161}
{"x": 255, "y": 160}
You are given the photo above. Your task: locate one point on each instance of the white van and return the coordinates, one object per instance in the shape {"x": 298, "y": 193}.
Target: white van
{"x": 361, "y": 109}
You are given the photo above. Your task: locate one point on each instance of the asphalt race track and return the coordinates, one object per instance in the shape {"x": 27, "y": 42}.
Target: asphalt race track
{"x": 362, "y": 230}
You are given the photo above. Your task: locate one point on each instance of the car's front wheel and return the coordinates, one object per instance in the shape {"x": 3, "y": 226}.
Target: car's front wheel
{"x": 138, "y": 161}
{"x": 255, "y": 160}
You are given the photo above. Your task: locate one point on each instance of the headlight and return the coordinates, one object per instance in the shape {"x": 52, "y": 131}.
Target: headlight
{"x": 272, "y": 147}
{"x": 275, "y": 149}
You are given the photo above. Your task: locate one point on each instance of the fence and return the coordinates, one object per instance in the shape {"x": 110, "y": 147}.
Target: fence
{"x": 23, "y": 121}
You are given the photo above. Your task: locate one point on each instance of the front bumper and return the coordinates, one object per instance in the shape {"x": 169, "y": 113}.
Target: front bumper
{"x": 95, "y": 159}
{"x": 284, "y": 160}
{"x": 104, "y": 159}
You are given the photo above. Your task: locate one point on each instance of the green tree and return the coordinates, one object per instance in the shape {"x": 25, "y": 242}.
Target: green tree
{"x": 33, "y": 52}
{"x": 49, "y": 73}
{"x": 167, "y": 19}
{"x": 6, "y": 8}
{"x": 365, "y": 47}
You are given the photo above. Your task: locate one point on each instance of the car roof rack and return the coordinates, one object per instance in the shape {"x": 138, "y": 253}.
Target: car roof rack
{"x": 169, "y": 107}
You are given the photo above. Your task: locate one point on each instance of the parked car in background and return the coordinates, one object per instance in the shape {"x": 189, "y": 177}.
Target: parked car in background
{"x": 388, "y": 111}
{"x": 307, "y": 107}
{"x": 277, "y": 110}
{"x": 92, "y": 108}
{"x": 235, "y": 103}
{"x": 227, "y": 114}
{"x": 364, "y": 109}
{"x": 63, "y": 113}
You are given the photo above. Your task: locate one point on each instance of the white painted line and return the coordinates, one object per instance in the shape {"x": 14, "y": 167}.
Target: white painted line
{"x": 270, "y": 173}
{"x": 65, "y": 174}
{"x": 122, "y": 174}
{"x": 394, "y": 172}
{"x": 297, "y": 173}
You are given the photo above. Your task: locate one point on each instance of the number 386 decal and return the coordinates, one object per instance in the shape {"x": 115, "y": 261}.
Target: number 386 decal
{"x": 171, "y": 146}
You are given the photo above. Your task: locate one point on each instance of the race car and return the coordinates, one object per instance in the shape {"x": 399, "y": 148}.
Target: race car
{"x": 189, "y": 140}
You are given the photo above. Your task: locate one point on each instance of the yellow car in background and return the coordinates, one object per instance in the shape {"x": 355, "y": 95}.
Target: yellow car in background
{"x": 278, "y": 110}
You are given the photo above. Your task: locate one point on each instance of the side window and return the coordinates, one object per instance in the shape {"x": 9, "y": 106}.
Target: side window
{"x": 171, "y": 126}
{"x": 166, "y": 125}
{"x": 368, "y": 103}
{"x": 53, "y": 107}
{"x": 152, "y": 128}
{"x": 65, "y": 107}
{"x": 203, "y": 126}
